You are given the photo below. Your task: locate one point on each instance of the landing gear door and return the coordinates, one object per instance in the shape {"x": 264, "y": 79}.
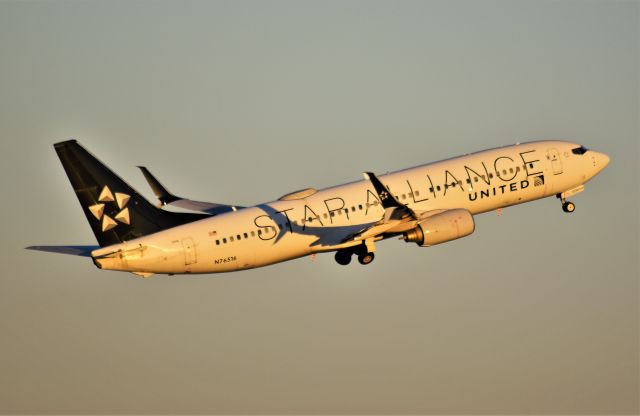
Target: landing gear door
{"x": 556, "y": 163}
{"x": 189, "y": 251}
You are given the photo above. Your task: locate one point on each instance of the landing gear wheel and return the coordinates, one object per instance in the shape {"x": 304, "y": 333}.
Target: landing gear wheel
{"x": 343, "y": 257}
{"x": 568, "y": 206}
{"x": 366, "y": 258}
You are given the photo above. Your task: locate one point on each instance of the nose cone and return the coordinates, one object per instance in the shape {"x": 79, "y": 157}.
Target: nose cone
{"x": 600, "y": 160}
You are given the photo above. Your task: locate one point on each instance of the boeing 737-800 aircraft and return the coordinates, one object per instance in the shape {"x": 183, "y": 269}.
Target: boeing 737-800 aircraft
{"x": 426, "y": 205}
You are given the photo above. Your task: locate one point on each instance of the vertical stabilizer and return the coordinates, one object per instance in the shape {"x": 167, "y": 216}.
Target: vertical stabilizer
{"x": 115, "y": 211}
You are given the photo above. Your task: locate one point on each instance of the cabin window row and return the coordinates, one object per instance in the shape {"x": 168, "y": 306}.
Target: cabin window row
{"x": 360, "y": 207}
{"x": 270, "y": 229}
{"x": 498, "y": 174}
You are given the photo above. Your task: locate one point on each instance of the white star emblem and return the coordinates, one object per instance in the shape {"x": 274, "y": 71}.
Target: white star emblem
{"x": 120, "y": 199}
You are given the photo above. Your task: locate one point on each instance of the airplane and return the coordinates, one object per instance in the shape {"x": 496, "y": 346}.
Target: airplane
{"x": 426, "y": 205}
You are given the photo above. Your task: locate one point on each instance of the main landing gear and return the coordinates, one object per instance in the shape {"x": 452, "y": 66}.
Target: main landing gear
{"x": 366, "y": 258}
{"x": 343, "y": 257}
{"x": 567, "y": 206}
{"x": 365, "y": 255}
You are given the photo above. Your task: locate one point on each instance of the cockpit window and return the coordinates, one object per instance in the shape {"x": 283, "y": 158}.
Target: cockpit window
{"x": 579, "y": 150}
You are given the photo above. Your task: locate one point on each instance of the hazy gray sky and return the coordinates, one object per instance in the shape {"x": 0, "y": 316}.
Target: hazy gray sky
{"x": 241, "y": 102}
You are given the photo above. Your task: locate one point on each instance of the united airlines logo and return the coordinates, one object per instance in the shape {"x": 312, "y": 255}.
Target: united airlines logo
{"x": 107, "y": 197}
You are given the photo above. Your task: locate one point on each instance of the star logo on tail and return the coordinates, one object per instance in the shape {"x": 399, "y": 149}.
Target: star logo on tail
{"x": 106, "y": 197}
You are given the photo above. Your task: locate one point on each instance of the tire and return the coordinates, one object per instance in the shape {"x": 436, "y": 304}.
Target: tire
{"x": 343, "y": 257}
{"x": 366, "y": 258}
{"x": 568, "y": 207}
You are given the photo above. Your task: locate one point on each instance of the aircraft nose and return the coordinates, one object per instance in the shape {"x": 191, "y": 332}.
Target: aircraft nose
{"x": 600, "y": 160}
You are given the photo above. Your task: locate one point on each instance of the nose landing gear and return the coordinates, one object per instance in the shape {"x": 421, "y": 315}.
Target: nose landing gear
{"x": 567, "y": 206}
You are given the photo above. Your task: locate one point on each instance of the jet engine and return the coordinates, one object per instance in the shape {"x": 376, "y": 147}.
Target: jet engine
{"x": 446, "y": 226}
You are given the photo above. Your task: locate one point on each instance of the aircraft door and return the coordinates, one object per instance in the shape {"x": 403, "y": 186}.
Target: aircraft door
{"x": 189, "y": 251}
{"x": 556, "y": 163}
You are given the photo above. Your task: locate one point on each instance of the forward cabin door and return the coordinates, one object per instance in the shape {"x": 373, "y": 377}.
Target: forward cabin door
{"x": 189, "y": 251}
{"x": 556, "y": 163}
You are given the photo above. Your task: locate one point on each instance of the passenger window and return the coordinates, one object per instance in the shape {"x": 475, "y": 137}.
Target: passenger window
{"x": 259, "y": 232}
{"x": 353, "y": 209}
{"x": 217, "y": 242}
{"x": 360, "y": 207}
{"x": 404, "y": 196}
{"x": 417, "y": 193}
{"x": 231, "y": 239}
{"x": 325, "y": 215}
{"x": 510, "y": 170}
{"x": 490, "y": 175}
{"x": 517, "y": 169}
{"x": 504, "y": 172}
{"x": 531, "y": 165}
{"x": 438, "y": 187}
{"x": 431, "y": 190}
{"x": 245, "y": 235}
{"x": 238, "y": 237}
{"x": 475, "y": 179}
{"x": 468, "y": 181}
{"x": 224, "y": 241}
{"x": 333, "y": 214}
{"x": 253, "y": 233}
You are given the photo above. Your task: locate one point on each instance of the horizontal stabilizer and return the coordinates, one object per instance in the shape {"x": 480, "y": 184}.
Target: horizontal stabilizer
{"x": 167, "y": 198}
{"x": 84, "y": 251}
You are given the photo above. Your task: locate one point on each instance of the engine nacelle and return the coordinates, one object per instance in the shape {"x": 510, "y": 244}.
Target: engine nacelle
{"x": 446, "y": 226}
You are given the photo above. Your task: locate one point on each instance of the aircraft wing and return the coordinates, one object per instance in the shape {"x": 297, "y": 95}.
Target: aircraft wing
{"x": 398, "y": 217}
{"x": 167, "y": 198}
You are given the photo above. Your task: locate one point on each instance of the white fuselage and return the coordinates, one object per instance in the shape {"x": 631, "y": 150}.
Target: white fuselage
{"x": 322, "y": 221}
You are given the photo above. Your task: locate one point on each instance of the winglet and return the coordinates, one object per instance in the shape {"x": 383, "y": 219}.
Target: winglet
{"x": 161, "y": 192}
{"x": 386, "y": 197}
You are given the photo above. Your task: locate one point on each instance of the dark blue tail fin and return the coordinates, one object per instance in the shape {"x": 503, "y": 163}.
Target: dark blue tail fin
{"x": 115, "y": 211}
